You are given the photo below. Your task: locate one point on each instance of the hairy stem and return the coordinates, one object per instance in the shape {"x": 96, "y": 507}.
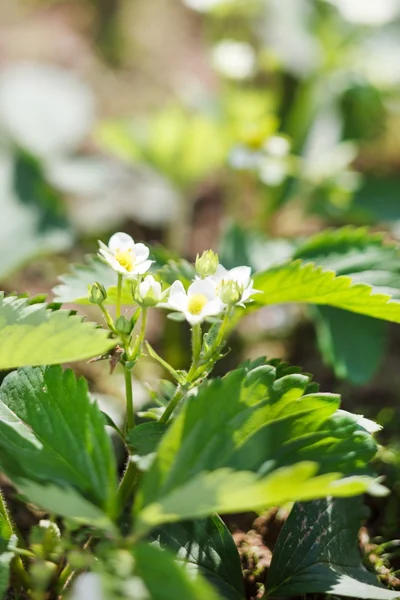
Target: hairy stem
{"x": 173, "y": 403}
{"x": 119, "y": 293}
{"x": 127, "y": 484}
{"x": 130, "y": 414}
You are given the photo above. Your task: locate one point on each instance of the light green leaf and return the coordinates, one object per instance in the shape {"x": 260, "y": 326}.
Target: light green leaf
{"x": 65, "y": 502}
{"x": 318, "y": 552}
{"x": 273, "y": 439}
{"x": 205, "y": 547}
{"x": 305, "y": 282}
{"x": 52, "y": 433}
{"x": 35, "y": 335}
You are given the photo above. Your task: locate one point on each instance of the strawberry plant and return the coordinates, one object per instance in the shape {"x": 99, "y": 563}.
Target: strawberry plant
{"x": 261, "y": 436}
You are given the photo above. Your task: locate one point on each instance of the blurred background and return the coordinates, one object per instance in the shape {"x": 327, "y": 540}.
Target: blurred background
{"x": 240, "y": 125}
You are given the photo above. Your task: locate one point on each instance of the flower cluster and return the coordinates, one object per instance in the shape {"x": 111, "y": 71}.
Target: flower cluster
{"x": 214, "y": 290}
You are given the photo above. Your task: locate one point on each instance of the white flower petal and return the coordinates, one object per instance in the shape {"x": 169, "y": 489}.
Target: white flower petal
{"x": 240, "y": 274}
{"x": 141, "y": 252}
{"x": 177, "y": 298}
{"x": 142, "y": 268}
{"x": 202, "y": 286}
{"x": 121, "y": 241}
{"x": 193, "y": 319}
{"x": 213, "y": 308}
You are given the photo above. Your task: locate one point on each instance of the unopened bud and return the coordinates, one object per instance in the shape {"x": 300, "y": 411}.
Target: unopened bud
{"x": 148, "y": 293}
{"x": 123, "y": 325}
{"x": 230, "y": 292}
{"x": 97, "y": 293}
{"x": 207, "y": 263}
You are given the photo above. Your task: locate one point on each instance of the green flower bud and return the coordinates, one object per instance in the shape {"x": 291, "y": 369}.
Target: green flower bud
{"x": 148, "y": 292}
{"x": 207, "y": 263}
{"x": 123, "y": 325}
{"x": 230, "y": 292}
{"x": 97, "y": 293}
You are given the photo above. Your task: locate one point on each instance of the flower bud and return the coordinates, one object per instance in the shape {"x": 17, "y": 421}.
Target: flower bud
{"x": 207, "y": 263}
{"x": 97, "y": 293}
{"x": 230, "y": 292}
{"x": 123, "y": 325}
{"x": 148, "y": 293}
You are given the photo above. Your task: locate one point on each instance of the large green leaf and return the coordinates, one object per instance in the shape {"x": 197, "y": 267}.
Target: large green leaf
{"x": 206, "y": 547}
{"x": 35, "y": 335}
{"x": 51, "y": 432}
{"x": 318, "y": 552}
{"x": 353, "y": 344}
{"x": 308, "y": 283}
{"x": 261, "y": 436}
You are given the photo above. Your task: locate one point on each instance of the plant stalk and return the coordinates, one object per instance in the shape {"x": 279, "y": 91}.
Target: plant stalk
{"x": 119, "y": 294}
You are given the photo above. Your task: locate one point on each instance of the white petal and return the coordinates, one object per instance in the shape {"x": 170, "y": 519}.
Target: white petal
{"x": 142, "y": 268}
{"x": 120, "y": 241}
{"x": 193, "y": 319}
{"x": 113, "y": 263}
{"x": 215, "y": 307}
{"x": 240, "y": 274}
{"x": 202, "y": 286}
{"x": 141, "y": 252}
{"x": 220, "y": 274}
{"x": 177, "y": 297}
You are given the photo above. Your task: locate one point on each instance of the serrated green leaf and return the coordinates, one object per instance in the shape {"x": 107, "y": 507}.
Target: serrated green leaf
{"x": 311, "y": 284}
{"x": 205, "y": 547}
{"x": 269, "y": 441}
{"x": 52, "y": 433}
{"x": 317, "y": 552}
{"x": 35, "y": 335}
{"x": 74, "y": 285}
{"x": 143, "y": 441}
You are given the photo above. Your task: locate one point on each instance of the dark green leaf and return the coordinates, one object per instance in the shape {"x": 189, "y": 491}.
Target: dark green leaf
{"x": 318, "y": 552}
{"x": 351, "y": 344}
{"x": 51, "y": 432}
{"x": 143, "y": 440}
{"x": 6, "y": 535}
{"x": 207, "y": 547}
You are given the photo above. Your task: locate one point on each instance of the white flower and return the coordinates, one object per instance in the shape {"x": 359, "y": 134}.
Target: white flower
{"x": 241, "y": 275}
{"x": 124, "y": 256}
{"x": 368, "y": 12}
{"x": 233, "y": 59}
{"x": 148, "y": 292}
{"x": 200, "y": 301}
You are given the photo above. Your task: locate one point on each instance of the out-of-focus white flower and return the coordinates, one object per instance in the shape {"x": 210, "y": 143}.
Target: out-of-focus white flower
{"x": 273, "y": 171}
{"x": 87, "y": 587}
{"x": 45, "y": 109}
{"x": 148, "y": 292}
{"x": 233, "y": 59}
{"x": 205, "y": 5}
{"x": 124, "y": 256}
{"x": 277, "y": 146}
{"x": 368, "y": 12}
{"x": 320, "y": 167}
{"x": 240, "y": 275}
{"x": 199, "y": 302}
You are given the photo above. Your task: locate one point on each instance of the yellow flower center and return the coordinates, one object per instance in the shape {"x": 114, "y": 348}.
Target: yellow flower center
{"x": 126, "y": 259}
{"x": 196, "y": 303}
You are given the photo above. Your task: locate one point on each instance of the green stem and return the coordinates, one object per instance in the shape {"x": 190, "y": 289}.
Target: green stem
{"x": 173, "y": 403}
{"x": 130, "y": 414}
{"x": 119, "y": 293}
{"x": 163, "y": 363}
{"x": 108, "y": 318}
{"x": 196, "y": 343}
{"x": 222, "y": 330}
{"x": 127, "y": 484}
{"x": 17, "y": 567}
